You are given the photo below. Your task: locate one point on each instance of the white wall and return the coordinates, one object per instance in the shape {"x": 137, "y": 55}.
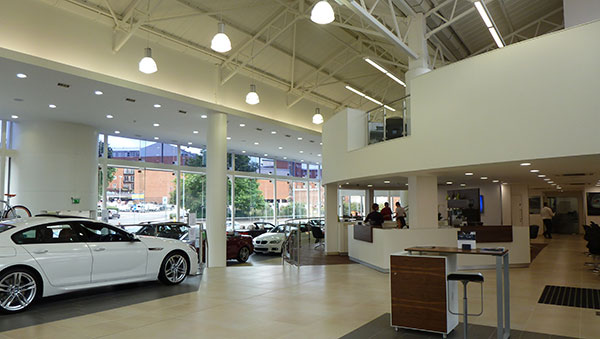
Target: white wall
{"x": 489, "y": 109}
{"x": 492, "y": 202}
{"x": 55, "y": 161}
{"x": 580, "y": 11}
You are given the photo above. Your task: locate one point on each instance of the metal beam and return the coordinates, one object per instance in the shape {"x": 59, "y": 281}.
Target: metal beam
{"x": 112, "y": 13}
{"x": 129, "y": 10}
{"x": 357, "y": 8}
{"x": 405, "y": 7}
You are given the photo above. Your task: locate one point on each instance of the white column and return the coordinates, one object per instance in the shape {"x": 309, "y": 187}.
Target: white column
{"x": 178, "y": 185}
{"x": 3, "y": 158}
{"x": 57, "y": 161}
{"x": 104, "y": 179}
{"x": 422, "y": 202}
{"x": 331, "y": 219}
{"x": 417, "y": 42}
{"x": 275, "y": 203}
{"x": 216, "y": 189}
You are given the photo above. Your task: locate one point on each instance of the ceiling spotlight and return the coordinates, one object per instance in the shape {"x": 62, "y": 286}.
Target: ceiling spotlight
{"x": 108, "y": 116}
{"x": 256, "y": 143}
{"x": 553, "y": 184}
{"x": 266, "y": 155}
{"x": 484, "y": 178}
{"x": 319, "y": 154}
{"x": 21, "y": 75}
{"x": 534, "y": 171}
{"x": 284, "y": 158}
{"x": 525, "y": 164}
{"x": 321, "y": 143}
{"x": 317, "y": 118}
{"x": 189, "y": 142}
{"x": 242, "y": 125}
{"x": 273, "y": 132}
{"x": 243, "y": 151}
{"x": 155, "y": 138}
{"x": 220, "y": 42}
{"x": 384, "y": 71}
{"x": 204, "y": 116}
{"x": 369, "y": 185}
{"x": 299, "y": 138}
{"x": 386, "y": 181}
{"x": 252, "y": 97}
{"x": 157, "y": 106}
{"x": 155, "y": 125}
{"x": 195, "y": 132}
{"x": 463, "y": 185}
{"x": 147, "y": 65}
{"x": 301, "y": 160}
{"x": 541, "y": 175}
{"x": 52, "y": 106}
{"x": 550, "y": 181}
{"x": 280, "y": 147}
{"x": 495, "y": 180}
{"x": 14, "y": 116}
{"x": 98, "y": 92}
{"x": 301, "y": 151}
{"x": 228, "y": 138}
{"x": 117, "y": 132}
{"x": 546, "y": 179}
{"x": 469, "y": 173}
{"x": 322, "y": 13}
{"x": 347, "y": 183}
{"x": 449, "y": 182}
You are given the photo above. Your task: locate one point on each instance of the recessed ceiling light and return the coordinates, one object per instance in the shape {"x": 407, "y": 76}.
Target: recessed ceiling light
{"x": 204, "y": 116}
{"x": 243, "y": 151}
{"x": 299, "y": 138}
{"x": 449, "y": 182}
{"x": 469, "y": 173}
{"x": 525, "y": 164}
{"x": 369, "y": 185}
{"x": 273, "y": 132}
{"x": 21, "y": 75}
{"x": 318, "y": 162}
{"x": 117, "y": 132}
{"x": 266, "y": 154}
{"x": 301, "y": 151}
{"x": 109, "y": 116}
{"x": 242, "y": 125}
{"x": 280, "y": 147}
{"x": 541, "y": 175}
{"x": 484, "y": 178}
{"x": 463, "y": 185}
{"x": 228, "y": 138}
{"x": 189, "y": 142}
{"x": 319, "y": 154}
{"x": 321, "y": 143}
{"x": 495, "y": 180}
{"x": 256, "y": 143}
{"x": 546, "y": 179}
{"x": 347, "y": 183}
{"x": 550, "y": 182}
{"x": 98, "y": 92}
{"x": 14, "y": 116}
{"x": 553, "y": 184}
{"x": 534, "y": 171}
{"x": 284, "y": 158}
{"x": 155, "y": 138}
{"x": 301, "y": 160}
{"x": 386, "y": 181}
{"x": 155, "y": 124}
{"x": 52, "y": 106}
{"x": 157, "y": 105}
{"x": 195, "y": 132}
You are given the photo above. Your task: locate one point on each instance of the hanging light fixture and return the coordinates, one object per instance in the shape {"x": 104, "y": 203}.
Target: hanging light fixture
{"x": 322, "y": 13}
{"x": 220, "y": 42}
{"x": 147, "y": 64}
{"x": 252, "y": 97}
{"x": 318, "y": 117}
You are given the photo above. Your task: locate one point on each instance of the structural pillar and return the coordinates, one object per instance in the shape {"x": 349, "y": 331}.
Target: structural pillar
{"x": 216, "y": 189}
{"x": 422, "y": 202}
{"x": 417, "y": 42}
{"x": 331, "y": 219}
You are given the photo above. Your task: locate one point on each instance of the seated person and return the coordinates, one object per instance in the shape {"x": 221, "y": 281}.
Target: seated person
{"x": 375, "y": 218}
{"x": 386, "y": 212}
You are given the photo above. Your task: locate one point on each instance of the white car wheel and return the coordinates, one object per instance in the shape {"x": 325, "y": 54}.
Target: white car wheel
{"x": 18, "y": 290}
{"x": 174, "y": 269}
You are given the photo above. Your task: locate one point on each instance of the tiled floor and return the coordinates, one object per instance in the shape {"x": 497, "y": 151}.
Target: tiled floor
{"x": 274, "y": 301}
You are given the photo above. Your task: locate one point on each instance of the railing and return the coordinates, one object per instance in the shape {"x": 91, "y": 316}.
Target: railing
{"x": 290, "y": 249}
{"x": 389, "y": 121}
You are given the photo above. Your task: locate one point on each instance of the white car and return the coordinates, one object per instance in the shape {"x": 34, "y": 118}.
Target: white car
{"x": 272, "y": 241}
{"x": 44, "y": 256}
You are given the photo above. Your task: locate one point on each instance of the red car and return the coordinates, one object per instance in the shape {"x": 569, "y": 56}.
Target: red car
{"x": 239, "y": 246}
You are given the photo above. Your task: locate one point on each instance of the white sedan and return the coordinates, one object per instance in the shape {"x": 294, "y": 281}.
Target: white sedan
{"x": 272, "y": 241}
{"x": 44, "y": 256}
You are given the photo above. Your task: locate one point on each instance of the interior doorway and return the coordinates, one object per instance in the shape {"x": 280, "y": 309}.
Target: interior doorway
{"x": 567, "y": 216}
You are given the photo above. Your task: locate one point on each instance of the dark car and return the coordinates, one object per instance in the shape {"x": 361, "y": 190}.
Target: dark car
{"x": 257, "y": 228}
{"x": 166, "y": 229}
{"x": 239, "y": 246}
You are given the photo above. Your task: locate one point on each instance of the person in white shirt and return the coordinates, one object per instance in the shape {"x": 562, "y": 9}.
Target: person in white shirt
{"x": 547, "y": 215}
{"x": 400, "y": 215}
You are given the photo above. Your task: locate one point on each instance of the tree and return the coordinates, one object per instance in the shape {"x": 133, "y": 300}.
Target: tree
{"x": 110, "y": 171}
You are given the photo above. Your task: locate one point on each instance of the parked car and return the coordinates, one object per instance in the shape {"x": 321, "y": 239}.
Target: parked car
{"x": 239, "y": 246}
{"x": 272, "y": 241}
{"x": 44, "y": 256}
{"x": 257, "y": 228}
{"x": 166, "y": 229}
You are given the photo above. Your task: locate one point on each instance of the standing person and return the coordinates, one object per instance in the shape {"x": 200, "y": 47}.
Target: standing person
{"x": 400, "y": 215}
{"x": 375, "y": 218}
{"x": 386, "y": 212}
{"x": 547, "y": 215}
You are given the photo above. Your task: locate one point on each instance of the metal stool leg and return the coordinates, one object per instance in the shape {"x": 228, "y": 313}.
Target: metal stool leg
{"x": 466, "y": 312}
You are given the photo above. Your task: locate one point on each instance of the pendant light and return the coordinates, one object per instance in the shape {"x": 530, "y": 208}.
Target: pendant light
{"x": 317, "y": 119}
{"x": 322, "y": 13}
{"x": 252, "y": 97}
{"x": 220, "y": 42}
{"x": 147, "y": 64}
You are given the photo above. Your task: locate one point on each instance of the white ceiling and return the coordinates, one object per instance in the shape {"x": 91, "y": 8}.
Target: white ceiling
{"x": 79, "y": 104}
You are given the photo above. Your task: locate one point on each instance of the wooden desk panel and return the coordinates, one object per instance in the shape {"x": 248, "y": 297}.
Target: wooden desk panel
{"x": 418, "y": 286}
{"x": 485, "y": 234}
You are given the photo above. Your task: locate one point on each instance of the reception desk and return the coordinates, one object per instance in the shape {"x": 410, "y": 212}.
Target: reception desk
{"x": 376, "y": 254}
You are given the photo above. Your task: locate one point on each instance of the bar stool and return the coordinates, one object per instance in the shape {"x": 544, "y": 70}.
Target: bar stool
{"x": 466, "y": 278}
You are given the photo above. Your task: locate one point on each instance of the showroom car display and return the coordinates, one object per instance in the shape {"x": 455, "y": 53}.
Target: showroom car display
{"x": 163, "y": 229}
{"x": 239, "y": 246}
{"x": 45, "y": 256}
{"x": 257, "y": 228}
{"x": 272, "y": 241}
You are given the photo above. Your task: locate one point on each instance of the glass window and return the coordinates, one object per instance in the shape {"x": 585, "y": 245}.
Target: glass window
{"x": 313, "y": 210}
{"x": 283, "y": 168}
{"x": 300, "y": 200}
{"x": 285, "y": 201}
{"x": 100, "y": 145}
{"x": 193, "y": 195}
{"x": 314, "y": 172}
{"x": 249, "y": 201}
{"x": 245, "y": 163}
{"x": 124, "y": 148}
{"x": 48, "y": 234}
{"x": 267, "y": 166}
{"x": 96, "y": 232}
{"x": 192, "y": 156}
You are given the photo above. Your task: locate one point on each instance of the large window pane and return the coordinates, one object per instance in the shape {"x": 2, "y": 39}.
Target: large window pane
{"x": 250, "y": 203}
{"x": 193, "y": 195}
{"x": 300, "y": 200}
{"x": 245, "y": 163}
{"x": 283, "y": 168}
{"x": 267, "y": 166}
{"x": 192, "y": 156}
{"x": 284, "y": 201}
{"x": 314, "y": 207}
{"x": 314, "y": 171}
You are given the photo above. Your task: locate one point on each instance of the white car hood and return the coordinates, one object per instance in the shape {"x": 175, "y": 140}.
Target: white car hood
{"x": 270, "y": 236}
{"x": 158, "y": 242}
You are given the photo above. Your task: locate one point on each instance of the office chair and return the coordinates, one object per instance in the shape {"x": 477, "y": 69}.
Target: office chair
{"x": 317, "y": 233}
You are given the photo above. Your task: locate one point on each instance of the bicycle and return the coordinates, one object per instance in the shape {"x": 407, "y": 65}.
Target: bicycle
{"x": 14, "y": 212}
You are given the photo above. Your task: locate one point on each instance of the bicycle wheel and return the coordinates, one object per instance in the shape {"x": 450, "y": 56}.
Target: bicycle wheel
{"x": 17, "y": 212}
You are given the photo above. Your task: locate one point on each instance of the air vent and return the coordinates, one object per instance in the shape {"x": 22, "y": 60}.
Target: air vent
{"x": 312, "y": 141}
{"x": 60, "y": 84}
{"x": 137, "y": 136}
{"x": 574, "y": 174}
{"x": 18, "y": 99}
{"x": 182, "y": 111}
{"x": 259, "y": 129}
{"x": 130, "y": 99}
{"x": 288, "y": 136}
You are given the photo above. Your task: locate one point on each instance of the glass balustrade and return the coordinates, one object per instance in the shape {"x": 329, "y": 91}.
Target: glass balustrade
{"x": 389, "y": 121}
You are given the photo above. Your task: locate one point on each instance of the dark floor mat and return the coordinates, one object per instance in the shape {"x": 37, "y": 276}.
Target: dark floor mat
{"x": 571, "y": 296}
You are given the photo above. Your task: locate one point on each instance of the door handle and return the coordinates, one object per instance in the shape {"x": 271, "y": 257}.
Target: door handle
{"x": 40, "y": 251}
{"x": 99, "y": 249}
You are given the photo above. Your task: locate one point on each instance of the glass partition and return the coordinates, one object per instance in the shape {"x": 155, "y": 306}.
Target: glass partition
{"x": 388, "y": 122}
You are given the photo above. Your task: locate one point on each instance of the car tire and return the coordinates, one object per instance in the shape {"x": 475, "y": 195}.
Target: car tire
{"x": 24, "y": 288}
{"x": 174, "y": 268}
{"x": 243, "y": 254}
